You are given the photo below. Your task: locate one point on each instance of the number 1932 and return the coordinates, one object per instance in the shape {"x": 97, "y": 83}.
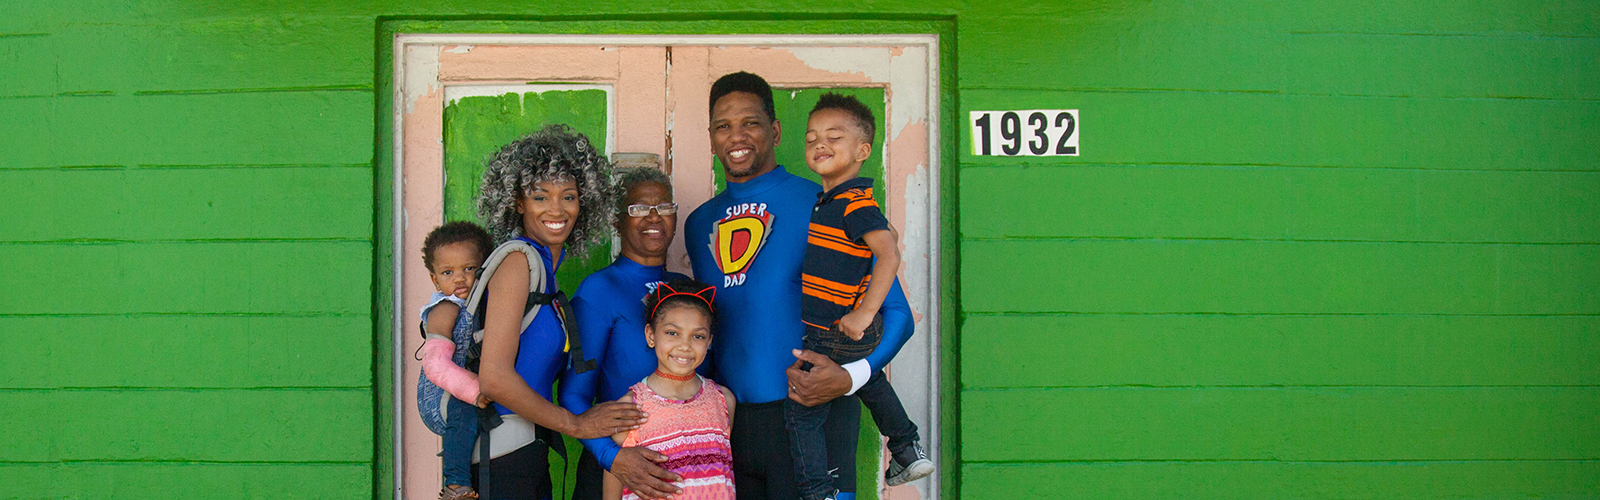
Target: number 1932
{"x": 1034, "y": 132}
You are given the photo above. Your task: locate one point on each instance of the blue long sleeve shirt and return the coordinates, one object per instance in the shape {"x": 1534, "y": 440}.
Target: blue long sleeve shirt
{"x": 749, "y": 242}
{"x": 609, "y": 306}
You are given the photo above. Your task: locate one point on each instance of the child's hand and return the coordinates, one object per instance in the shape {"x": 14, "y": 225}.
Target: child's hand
{"x": 854, "y": 324}
{"x": 483, "y": 401}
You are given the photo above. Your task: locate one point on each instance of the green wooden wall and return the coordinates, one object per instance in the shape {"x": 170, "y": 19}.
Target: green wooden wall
{"x": 1318, "y": 249}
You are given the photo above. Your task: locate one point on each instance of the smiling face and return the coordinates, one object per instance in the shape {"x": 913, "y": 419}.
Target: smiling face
{"x": 680, "y": 335}
{"x": 548, "y": 212}
{"x": 743, "y": 137}
{"x": 455, "y": 268}
{"x": 645, "y": 239}
{"x": 835, "y": 144}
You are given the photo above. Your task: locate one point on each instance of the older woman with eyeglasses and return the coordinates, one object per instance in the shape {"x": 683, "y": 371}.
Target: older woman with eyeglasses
{"x": 611, "y": 318}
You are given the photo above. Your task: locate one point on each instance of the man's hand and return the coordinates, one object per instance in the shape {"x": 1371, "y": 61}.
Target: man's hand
{"x": 826, "y": 380}
{"x": 854, "y": 324}
{"x": 635, "y": 468}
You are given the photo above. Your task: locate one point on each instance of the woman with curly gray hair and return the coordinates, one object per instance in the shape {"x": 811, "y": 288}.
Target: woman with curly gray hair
{"x": 551, "y": 190}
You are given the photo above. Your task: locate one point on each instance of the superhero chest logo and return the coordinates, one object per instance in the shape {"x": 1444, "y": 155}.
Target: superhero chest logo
{"x": 737, "y": 239}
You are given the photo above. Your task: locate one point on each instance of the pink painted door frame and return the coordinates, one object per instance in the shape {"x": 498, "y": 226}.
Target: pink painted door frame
{"x": 659, "y": 88}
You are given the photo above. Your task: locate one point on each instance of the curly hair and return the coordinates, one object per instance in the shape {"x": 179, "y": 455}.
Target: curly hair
{"x": 456, "y": 232}
{"x": 554, "y": 153}
{"x": 631, "y": 178}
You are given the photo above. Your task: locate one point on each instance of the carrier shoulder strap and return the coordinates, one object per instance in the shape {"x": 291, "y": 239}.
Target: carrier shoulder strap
{"x": 569, "y": 326}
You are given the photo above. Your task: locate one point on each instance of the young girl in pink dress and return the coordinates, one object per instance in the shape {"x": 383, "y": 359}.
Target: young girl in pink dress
{"x": 690, "y": 416}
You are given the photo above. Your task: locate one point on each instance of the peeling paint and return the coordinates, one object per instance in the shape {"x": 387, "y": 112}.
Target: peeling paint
{"x": 422, "y": 70}
{"x": 870, "y": 62}
{"x": 908, "y": 102}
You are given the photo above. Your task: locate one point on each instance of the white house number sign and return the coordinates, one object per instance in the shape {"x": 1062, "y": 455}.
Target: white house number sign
{"x": 1033, "y": 132}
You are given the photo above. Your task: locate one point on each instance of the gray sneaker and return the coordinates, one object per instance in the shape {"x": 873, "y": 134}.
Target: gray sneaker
{"x": 908, "y": 465}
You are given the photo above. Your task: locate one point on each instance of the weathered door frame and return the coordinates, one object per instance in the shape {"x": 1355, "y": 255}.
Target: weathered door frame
{"x": 924, "y": 251}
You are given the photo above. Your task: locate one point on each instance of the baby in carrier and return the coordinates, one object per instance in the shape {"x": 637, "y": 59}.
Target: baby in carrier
{"x": 447, "y": 393}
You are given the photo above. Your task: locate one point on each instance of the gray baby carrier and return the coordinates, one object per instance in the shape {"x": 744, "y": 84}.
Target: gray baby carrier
{"x": 432, "y": 400}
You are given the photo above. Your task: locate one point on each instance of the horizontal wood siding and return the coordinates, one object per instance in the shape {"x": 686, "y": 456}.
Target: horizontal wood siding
{"x": 1318, "y": 249}
{"x": 1311, "y": 250}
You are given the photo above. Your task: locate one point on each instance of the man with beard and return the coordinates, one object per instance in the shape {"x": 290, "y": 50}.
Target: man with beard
{"x": 749, "y": 242}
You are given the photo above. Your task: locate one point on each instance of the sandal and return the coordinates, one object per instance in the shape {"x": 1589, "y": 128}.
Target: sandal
{"x": 457, "y": 492}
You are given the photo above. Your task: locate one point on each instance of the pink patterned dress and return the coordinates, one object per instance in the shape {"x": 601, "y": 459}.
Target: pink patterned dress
{"x": 693, "y": 435}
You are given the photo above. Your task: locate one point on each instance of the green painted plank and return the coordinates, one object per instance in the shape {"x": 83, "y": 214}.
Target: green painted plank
{"x": 1226, "y": 45}
{"x": 296, "y": 278}
{"x": 1291, "y": 424}
{"x": 1187, "y": 128}
{"x": 249, "y": 203}
{"x": 283, "y": 49}
{"x": 1510, "y": 18}
{"x": 1285, "y": 203}
{"x": 299, "y": 128}
{"x": 1268, "y": 480}
{"x": 25, "y": 133}
{"x": 1448, "y": 66}
{"x": 186, "y": 351}
{"x": 1167, "y": 276}
{"x": 179, "y": 480}
{"x": 1266, "y": 46}
{"x": 27, "y": 65}
{"x": 186, "y": 425}
{"x": 1225, "y": 350}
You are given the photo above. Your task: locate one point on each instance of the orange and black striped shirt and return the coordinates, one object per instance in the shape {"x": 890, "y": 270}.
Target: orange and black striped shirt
{"x": 838, "y": 264}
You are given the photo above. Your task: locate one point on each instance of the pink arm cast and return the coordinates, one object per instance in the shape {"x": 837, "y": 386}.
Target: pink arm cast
{"x": 436, "y": 365}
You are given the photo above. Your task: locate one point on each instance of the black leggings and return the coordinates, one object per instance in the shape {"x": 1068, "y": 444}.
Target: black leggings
{"x": 523, "y": 474}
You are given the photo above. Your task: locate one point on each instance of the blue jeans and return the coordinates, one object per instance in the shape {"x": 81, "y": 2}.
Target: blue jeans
{"x": 460, "y": 433}
{"x": 809, "y": 447}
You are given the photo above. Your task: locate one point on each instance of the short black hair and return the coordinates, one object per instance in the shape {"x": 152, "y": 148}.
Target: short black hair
{"x": 456, "y": 232}
{"x": 851, "y": 105}
{"x": 681, "y": 293}
{"x": 744, "y": 82}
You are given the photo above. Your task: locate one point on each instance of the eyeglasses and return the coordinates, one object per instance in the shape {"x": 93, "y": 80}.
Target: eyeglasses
{"x": 643, "y": 210}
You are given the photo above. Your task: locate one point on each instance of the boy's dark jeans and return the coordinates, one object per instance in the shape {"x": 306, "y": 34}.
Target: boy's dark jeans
{"x": 460, "y": 433}
{"x": 806, "y": 441}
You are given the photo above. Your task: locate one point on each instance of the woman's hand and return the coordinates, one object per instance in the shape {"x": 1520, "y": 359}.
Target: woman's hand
{"x": 605, "y": 419}
{"x": 483, "y": 401}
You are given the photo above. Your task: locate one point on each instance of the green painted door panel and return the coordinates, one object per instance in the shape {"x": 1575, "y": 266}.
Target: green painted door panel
{"x": 476, "y": 127}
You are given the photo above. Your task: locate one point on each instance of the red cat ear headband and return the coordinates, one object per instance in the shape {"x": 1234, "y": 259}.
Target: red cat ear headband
{"x": 706, "y": 294}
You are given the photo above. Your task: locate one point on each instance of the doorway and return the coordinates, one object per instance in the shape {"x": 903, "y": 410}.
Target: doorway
{"x": 459, "y": 97}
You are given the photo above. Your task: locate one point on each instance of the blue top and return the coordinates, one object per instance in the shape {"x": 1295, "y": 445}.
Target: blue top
{"x": 610, "y": 313}
{"x": 461, "y": 333}
{"x": 541, "y": 348}
{"x": 749, "y": 242}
